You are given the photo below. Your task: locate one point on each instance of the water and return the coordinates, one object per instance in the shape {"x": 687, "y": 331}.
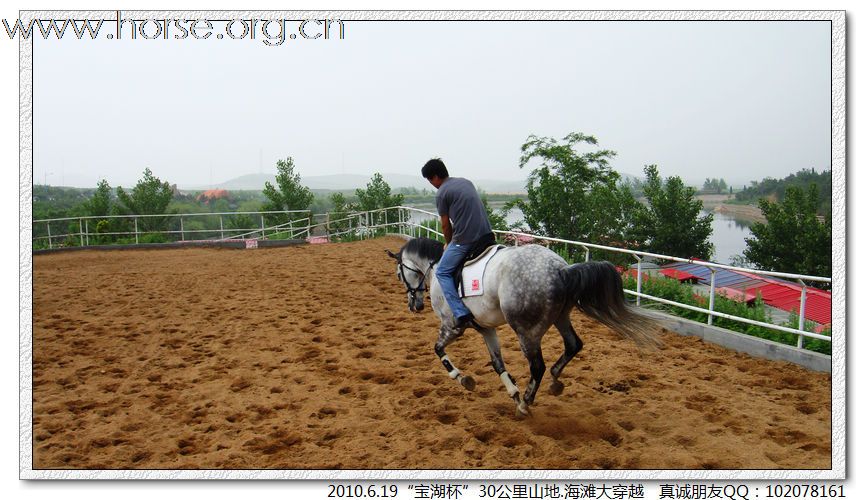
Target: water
{"x": 728, "y": 236}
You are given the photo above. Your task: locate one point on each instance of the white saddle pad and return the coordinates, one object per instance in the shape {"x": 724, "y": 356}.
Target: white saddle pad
{"x": 473, "y": 273}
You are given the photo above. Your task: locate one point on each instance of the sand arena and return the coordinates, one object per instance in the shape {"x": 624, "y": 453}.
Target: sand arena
{"x": 307, "y": 357}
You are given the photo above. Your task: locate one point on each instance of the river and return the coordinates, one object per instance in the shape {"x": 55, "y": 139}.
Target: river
{"x": 728, "y": 236}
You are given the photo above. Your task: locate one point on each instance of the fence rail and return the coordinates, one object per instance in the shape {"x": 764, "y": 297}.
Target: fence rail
{"x": 404, "y": 220}
{"x": 416, "y": 229}
{"x": 79, "y": 231}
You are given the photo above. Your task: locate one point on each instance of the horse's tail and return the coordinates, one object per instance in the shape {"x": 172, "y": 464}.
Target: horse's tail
{"x": 596, "y": 289}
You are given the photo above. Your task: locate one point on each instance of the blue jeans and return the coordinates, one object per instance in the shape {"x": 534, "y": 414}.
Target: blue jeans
{"x": 451, "y": 259}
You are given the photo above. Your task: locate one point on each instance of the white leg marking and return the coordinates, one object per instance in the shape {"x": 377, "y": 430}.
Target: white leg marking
{"x": 509, "y": 386}
{"x": 453, "y": 373}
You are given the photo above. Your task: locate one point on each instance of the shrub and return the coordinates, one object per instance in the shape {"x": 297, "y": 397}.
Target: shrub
{"x": 670, "y": 289}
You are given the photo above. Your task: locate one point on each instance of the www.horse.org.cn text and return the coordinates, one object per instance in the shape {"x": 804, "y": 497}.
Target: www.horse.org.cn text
{"x": 270, "y": 32}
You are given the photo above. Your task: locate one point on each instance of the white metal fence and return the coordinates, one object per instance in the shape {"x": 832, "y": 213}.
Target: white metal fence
{"x": 409, "y": 226}
{"x": 88, "y": 231}
{"x": 109, "y": 229}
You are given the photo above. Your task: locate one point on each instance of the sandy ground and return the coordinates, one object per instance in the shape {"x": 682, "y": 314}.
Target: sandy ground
{"x": 307, "y": 357}
{"x": 716, "y": 202}
{"x": 749, "y": 213}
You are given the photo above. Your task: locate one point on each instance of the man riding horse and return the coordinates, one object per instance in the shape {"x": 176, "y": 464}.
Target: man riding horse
{"x": 529, "y": 287}
{"x": 466, "y": 228}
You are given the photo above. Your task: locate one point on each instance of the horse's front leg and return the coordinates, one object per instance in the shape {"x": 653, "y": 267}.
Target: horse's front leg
{"x": 447, "y": 335}
{"x": 491, "y": 339}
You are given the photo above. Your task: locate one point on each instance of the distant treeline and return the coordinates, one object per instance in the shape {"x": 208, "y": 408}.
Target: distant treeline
{"x": 774, "y": 189}
{"x": 52, "y": 202}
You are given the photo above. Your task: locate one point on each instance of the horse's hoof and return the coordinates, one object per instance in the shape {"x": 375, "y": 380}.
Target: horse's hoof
{"x": 523, "y": 410}
{"x": 556, "y": 388}
{"x": 468, "y": 382}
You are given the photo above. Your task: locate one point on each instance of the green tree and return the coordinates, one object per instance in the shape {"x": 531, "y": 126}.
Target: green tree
{"x": 220, "y": 205}
{"x": 498, "y": 221}
{"x": 574, "y": 195}
{"x": 775, "y": 189}
{"x": 793, "y": 239}
{"x": 99, "y": 205}
{"x": 377, "y": 195}
{"x": 150, "y": 196}
{"x": 289, "y": 193}
{"x": 338, "y": 213}
{"x": 716, "y": 186}
{"x": 671, "y": 223}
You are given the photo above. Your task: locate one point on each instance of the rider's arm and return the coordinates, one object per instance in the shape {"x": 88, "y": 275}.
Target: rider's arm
{"x": 446, "y": 228}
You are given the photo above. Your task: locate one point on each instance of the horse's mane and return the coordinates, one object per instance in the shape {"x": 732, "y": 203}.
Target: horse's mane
{"x": 425, "y": 248}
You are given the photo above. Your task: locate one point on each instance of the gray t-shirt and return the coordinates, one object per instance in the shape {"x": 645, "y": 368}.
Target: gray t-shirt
{"x": 458, "y": 199}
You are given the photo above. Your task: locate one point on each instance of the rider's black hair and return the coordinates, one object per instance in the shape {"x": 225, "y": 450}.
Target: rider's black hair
{"x": 433, "y": 168}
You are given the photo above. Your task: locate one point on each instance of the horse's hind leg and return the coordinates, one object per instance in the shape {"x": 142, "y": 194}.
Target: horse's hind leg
{"x": 446, "y": 336}
{"x": 573, "y": 344}
{"x": 531, "y": 347}
{"x": 491, "y": 339}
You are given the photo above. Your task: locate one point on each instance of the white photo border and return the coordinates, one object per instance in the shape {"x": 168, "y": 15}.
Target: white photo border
{"x": 839, "y": 249}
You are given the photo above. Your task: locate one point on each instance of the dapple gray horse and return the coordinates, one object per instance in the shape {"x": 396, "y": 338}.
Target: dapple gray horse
{"x": 530, "y": 288}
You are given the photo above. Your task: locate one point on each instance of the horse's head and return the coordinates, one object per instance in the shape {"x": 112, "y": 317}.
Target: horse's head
{"x": 414, "y": 265}
{"x": 413, "y": 276}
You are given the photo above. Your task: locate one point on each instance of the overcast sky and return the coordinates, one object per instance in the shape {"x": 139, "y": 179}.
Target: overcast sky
{"x": 738, "y": 100}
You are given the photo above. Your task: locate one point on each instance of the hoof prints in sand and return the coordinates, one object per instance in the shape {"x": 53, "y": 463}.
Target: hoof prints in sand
{"x": 310, "y": 359}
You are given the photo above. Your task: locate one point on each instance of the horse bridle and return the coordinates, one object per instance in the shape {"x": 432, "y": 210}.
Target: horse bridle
{"x": 421, "y": 285}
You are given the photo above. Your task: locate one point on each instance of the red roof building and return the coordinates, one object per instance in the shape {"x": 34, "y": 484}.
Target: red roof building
{"x": 212, "y": 194}
{"x": 678, "y": 274}
{"x": 774, "y": 292}
{"x": 818, "y": 303}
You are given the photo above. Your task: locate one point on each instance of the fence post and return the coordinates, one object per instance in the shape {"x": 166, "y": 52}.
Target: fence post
{"x": 182, "y": 236}
{"x": 639, "y": 277}
{"x": 221, "y": 229}
{"x": 802, "y": 300}
{"x": 711, "y": 295}
{"x": 81, "y": 232}
{"x": 262, "y": 226}
{"x": 87, "y": 231}
{"x": 136, "y": 230}
{"x": 587, "y": 253}
{"x": 50, "y": 246}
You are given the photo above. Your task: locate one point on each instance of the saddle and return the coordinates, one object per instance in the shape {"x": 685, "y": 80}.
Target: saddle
{"x": 480, "y": 253}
